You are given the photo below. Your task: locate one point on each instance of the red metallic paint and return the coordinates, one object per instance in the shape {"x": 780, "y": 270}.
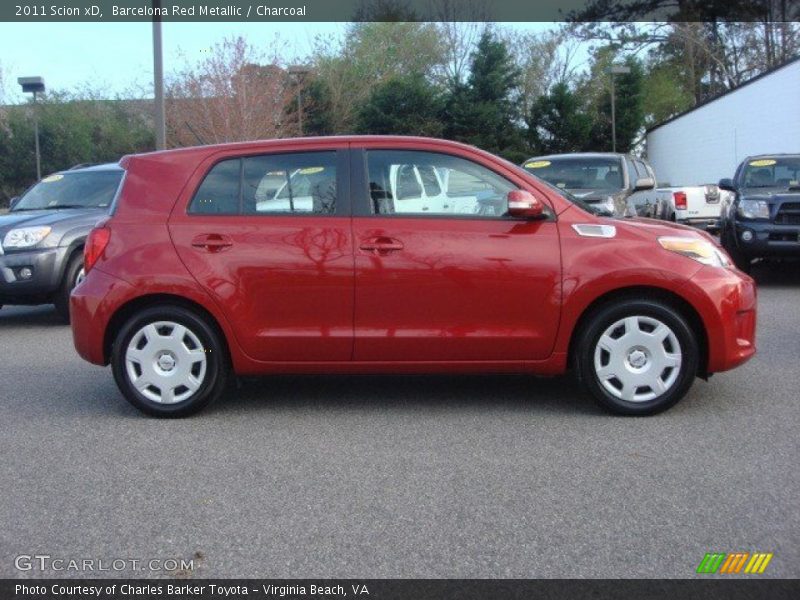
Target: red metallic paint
{"x": 300, "y": 294}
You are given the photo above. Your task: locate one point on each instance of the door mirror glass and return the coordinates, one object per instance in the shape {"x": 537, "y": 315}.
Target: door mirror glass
{"x": 727, "y": 184}
{"x": 523, "y": 204}
{"x": 644, "y": 183}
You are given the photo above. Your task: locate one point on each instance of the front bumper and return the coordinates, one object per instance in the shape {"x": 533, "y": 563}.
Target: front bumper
{"x": 726, "y": 302}
{"x": 768, "y": 240}
{"x": 46, "y": 266}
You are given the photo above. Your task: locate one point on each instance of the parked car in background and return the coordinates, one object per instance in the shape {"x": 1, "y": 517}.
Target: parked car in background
{"x": 179, "y": 296}
{"x": 761, "y": 219}
{"x": 42, "y": 235}
{"x": 617, "y": 184}
{"x": 695, "y": 205}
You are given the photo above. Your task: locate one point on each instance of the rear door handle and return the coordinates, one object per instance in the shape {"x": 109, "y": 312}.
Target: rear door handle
{"x": 381, "y": 245}
{"x": 212, "y": 242}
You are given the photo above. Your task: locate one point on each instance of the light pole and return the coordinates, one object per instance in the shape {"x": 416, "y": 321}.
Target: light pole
{"x": 34, "y": 85}
{"x": 298, "y": 73}
{"x": 615, "y": 70}
{"x": 158, "y": 80}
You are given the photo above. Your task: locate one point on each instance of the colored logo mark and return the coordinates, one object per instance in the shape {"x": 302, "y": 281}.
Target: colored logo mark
{"x": 734, "y": 562}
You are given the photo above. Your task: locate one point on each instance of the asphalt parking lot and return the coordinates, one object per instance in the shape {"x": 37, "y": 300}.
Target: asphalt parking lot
{"x": 501, "y": 476}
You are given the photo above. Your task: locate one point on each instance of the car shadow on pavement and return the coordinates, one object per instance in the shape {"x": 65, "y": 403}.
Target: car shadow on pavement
{"x": 775, "y": 274}
{"x": 381, "y": 392}
{"x": 25, "y": 316}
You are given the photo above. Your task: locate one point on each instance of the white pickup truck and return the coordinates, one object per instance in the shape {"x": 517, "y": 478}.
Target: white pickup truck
{"x": 696, "y": 205}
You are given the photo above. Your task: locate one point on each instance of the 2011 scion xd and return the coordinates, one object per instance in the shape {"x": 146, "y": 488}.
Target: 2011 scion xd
{"x": 394, "y": 255}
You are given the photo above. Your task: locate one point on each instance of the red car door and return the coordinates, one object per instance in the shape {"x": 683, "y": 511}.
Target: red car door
{"x": 462, "y": 284}
{"x": 269, "y": 238}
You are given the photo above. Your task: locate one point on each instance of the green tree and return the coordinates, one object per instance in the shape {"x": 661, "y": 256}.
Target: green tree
{"x": 407, "y": 105}
{"x": 558, "y": 123}
{"x": 483, "y": 112}
{"x": 629, "y": 102}
{"x": 370, "y": 54}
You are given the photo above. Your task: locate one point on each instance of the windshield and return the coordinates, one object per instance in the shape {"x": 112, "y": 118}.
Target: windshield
{"x": 86, "y": 189}
{"x": 778, "y": 172}
{"x": 602, "y": 174}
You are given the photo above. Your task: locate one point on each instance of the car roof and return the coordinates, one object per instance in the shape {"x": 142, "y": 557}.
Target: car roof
{"x": 579, "y": 155}
{"x": 775, "y": 155}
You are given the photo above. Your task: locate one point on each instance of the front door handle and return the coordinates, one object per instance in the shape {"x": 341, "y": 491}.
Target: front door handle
{"x": 212, "y": 242}
{"x": 381, "y": 245}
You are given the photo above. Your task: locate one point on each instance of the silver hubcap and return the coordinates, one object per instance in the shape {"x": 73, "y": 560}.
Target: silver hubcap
{"x": 637, "y": 359}
{"x": 80, "y": 276}
{"x": 166, "y": 362}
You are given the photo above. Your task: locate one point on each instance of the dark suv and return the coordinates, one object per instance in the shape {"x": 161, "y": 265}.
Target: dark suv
{"x": 763, "y": 218}
{"x": 42, "y": 236}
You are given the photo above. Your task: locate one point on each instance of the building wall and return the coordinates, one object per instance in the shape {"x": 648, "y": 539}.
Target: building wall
{"x": 708, "y": 143}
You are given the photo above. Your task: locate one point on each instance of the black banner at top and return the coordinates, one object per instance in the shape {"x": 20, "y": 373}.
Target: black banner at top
{"x": 102, "y": 11}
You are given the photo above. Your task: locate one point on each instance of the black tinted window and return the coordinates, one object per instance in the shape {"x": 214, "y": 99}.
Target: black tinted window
{"x": 219, "y": 192}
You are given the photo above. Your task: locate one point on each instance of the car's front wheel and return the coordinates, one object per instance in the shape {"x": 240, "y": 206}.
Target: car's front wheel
{"x": 637, "y": 357}
{"x": 169, "y": 361}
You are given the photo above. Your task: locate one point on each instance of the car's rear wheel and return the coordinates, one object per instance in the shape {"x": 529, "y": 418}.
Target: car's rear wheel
{"x": 73, "y": 275}
{"x": 169, "y": 361}
{"x": 637, "y": 357}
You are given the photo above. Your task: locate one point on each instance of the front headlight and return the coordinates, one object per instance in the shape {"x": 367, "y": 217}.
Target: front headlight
{"x": 700, "y": 250}
{"x": 753, "y": 209}
{"x": 25, "y": 237}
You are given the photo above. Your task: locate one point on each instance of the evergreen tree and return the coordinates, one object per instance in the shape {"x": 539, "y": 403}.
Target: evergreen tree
{"x": 484, "y": 111}
{"x": 558, "y": 123}
{"x": 407, "y": 105}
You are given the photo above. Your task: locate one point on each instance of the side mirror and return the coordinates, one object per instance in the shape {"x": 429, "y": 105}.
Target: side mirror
{"x": 13, "y": 202}
{"x": 644, "y": 183}
{"x": 727, "y": 184}
{"x": 522, "y": 204}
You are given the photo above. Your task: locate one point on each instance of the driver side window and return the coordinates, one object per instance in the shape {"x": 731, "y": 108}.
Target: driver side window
{"x": 452, "y": 185}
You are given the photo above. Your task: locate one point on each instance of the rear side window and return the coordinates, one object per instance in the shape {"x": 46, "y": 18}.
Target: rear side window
{"x": 219, "y": 192}
{"x": 296, "y": 183}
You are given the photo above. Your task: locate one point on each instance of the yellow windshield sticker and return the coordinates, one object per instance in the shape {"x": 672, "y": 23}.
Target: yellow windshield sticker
{"x": 537, "y": 164}
{"x": 763, "y": 162}
{"x": 52, "y": 178}
{"x": 311, "y": 170}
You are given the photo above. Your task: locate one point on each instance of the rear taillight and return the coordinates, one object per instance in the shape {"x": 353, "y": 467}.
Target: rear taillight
{"x": 680, "y": 200}
{"x": 96, "y": 243}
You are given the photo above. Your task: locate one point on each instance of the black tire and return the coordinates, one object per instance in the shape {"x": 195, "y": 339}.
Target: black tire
{"x": 68, "y": 283}
{"x": 742, "y": 262}
{"x": 215, "y": 377}
{"x": 649, "y": 310}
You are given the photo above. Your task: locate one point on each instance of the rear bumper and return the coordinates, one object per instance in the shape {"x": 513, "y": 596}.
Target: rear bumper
{"x": 768, "y": 239}
{"x": 705, "y": 223}
{"x": 726, "y": 301}
{"x": 46, "y": 266}
{"x": 91, "y": 307}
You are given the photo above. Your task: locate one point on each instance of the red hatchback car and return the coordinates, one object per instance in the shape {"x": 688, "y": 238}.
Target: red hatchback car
{"x": 393, "y": 255}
